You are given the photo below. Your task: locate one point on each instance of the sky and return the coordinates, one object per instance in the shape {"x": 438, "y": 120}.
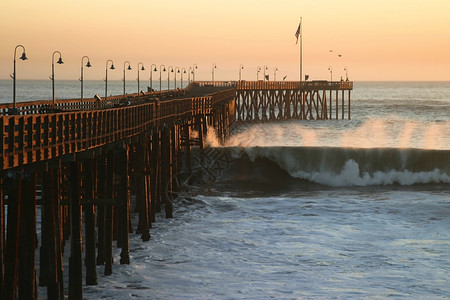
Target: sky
{"x": 398, "y": 40}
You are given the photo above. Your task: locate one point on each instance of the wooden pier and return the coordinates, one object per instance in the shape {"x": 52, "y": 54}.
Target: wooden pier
{"x": 89, "y": 156}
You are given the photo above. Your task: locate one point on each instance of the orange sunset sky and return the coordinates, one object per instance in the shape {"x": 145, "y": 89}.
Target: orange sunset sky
{"x": 378, "y": 40}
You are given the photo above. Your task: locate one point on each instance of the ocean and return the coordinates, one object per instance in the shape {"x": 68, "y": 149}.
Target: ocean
{"x": 307, "y": 209}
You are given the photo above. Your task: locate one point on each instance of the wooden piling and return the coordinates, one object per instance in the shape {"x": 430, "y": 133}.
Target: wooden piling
{"x": 27, "y": 238}
{"x": 139, "y": 166}
{"x": 51, "y": 273}
{"x": 173, "y": 159}
{"x": 57, "y": 207}
{"x": 154, "y": 171}
{"x": 101, "y": 188}
{"x": 166, "y": 171}
{"x": 349, "y": 104}
{"x": 89, "y": 215}
{"x": 124, "y": 203}
{"x": 199, "y": 124}
{"x": 44, "y": 255}
{"x": 187, "y": 147}
{"x": 75, "y": 260}
{"x": 2, "y": 234}
{"x": 157, "y": 167}
{"x": 109, "y": 213}
{"x": 148, "y": 181}
{"x": 12, "y": 237}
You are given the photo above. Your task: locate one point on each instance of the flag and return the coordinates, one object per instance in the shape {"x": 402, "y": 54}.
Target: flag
{"x": 297, "y": 33}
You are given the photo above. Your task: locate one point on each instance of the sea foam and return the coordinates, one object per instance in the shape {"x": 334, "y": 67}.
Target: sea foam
{"x": 339, "y": 167}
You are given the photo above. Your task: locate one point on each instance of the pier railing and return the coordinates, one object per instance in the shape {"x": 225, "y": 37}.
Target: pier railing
{"x": 33, "y": 136}
{"x": 291, "y": 85}
{"x": 45, "y": 106}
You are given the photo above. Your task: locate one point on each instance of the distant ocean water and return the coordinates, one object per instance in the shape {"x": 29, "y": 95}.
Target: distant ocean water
{"x": 336, "y": 209}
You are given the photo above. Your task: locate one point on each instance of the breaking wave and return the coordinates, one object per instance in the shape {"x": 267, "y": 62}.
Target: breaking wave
{"x": 339, "y": 167}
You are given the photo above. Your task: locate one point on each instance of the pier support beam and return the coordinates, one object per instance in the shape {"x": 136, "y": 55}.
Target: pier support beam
{"x": 75, "y": 260}
{"x": 166, "y": 171}
{"x": 90, "y": 175}
{"x": 12, "y": 237}
{"x": 124, "y": 203}
{"x": 51, "y": 271}
{"x": 349, "y": 104}
{"x": 109, "y": 213}
{"x": 154, "y": 166}
{"x": 101, "y": 194}
{"x": 2, "y": 235}
{"x": 141, "y": 201}
{"x": 27, "y": 238}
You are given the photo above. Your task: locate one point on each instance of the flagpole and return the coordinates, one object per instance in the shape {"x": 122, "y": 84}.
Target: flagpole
{"x": 301, "y": 58}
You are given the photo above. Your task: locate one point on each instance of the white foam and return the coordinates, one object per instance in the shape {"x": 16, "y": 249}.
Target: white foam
{"x": 211, "y": 138}
{"x": 350, "y": 175}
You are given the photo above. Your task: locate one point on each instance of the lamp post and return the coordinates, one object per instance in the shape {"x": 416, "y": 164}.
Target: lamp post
{"x": 88, "y": 64}
{"x": 106, "y": 77}
{"x": 258, "y": 69}
{"x": 141, "y": 69}
{"x": 183, "y": 70}
{"x": 151, "y": 75}
{"x": 346, "y": 73}
{"x": 177, "y": 70}
{"x": 169, "y": 69}
{"x": 14, "y": 111}
{"x": 241, "y": 67}
{"x": 330, "y": 68}
{"x": 52, "y": 77}
{"x": 275, "y": 74}
{"x": 265, "y": 68}
{"x": 161, "y": 70}
{"x": 129, "y": 68}
{"x": 189, "y": 74}
{"x": 193, "y": 71}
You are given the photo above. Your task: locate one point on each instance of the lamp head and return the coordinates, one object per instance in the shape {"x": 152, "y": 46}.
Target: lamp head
{"x": 142, "y": 69}
{"x": 88, "y": 64}
{"x": 60, "y": 61}
{"x": 178, "y": 71}
{"x": 164, "y": 69}
{"x": 112, "y": 67}
{"x": 184, "y": 72}
{"x": 24, "y": 56}
{"x": 154, "y": 70}
{"x": 129, "y": 67}
{"x": 171, "y": 71}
